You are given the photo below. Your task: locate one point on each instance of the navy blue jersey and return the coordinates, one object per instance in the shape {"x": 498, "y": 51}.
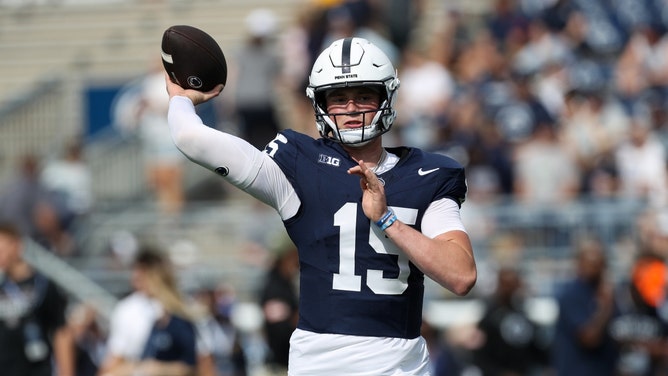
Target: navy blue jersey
{"x": 354, "y": 279}
{"x": 172, "y": 341}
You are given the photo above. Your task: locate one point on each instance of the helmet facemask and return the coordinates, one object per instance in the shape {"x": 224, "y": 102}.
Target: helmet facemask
{"x": 375, "y": 121}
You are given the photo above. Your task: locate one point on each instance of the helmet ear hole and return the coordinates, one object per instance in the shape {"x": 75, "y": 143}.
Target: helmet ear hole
{"x": 320, "y": 99}
{"x": 383, "y": 97}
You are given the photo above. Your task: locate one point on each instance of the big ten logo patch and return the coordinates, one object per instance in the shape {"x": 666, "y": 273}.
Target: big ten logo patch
{"x": 326, "y": 159}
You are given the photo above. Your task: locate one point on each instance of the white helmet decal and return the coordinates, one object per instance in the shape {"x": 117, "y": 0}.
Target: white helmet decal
{"x": 352, "y": 62}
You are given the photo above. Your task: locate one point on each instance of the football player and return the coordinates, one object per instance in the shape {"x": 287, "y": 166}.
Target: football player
{"x": 369, "y": 221}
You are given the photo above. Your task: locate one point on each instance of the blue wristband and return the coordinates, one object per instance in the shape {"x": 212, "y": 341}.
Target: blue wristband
{"x": 389, "y": 222}
{"x": 385, "y": 217}
{"x": 386, "y": 220}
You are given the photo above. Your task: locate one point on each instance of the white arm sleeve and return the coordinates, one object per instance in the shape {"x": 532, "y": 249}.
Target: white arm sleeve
{"x": 244, "y": 166}
{"x": 441, "y": 216}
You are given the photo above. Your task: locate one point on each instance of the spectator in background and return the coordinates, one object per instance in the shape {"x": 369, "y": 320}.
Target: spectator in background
{"x": 658, "y": 114}
{"x": 427, "y": 87}
{"x": 507, "y": 24}
{"x": 70, "y": 177}
{"x": 219, "y": 332}
{"x": 34, "y": 337}
{"x": 444, "y": 359}
{"x": 170, "y": 347}
{"x": 641, "y": 163}
{"x": 359, "y": 18}
{"x": 153, "y": 311}
{"x": 140, "y": 109}
{"x": 37, "y": 210}
{"x": 295, "y": 60}
{"x": 402, "y": 17}
{"x": 51, "y": 232}
{"x": 542, "y": 49}
{"x": 254, "y": 74}
{"x": 545, "y": 172}
{"x": 591, "y": 127}
{"x": 558, "y": 14}
{"x": 652, "y": 232}
{"x": 642, "y": 327}
{"x": 513, "y": 344}
{"x": 280, "y": 305}
{"x": 583, "y": 345}
{"x": 89, "y": 337}
{"x": 642, "y": 64}
{"x": 20, "y": 196}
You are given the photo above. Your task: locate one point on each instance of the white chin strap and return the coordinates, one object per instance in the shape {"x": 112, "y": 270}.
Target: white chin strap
{"x": 353, "y": 137}
{"x": 357, "y": 136}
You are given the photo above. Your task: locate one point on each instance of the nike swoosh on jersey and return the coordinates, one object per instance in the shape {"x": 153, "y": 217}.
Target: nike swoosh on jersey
{"x": 422, "y": 172}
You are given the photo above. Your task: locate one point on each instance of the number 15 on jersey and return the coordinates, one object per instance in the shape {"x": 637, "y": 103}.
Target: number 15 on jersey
{"x": 345, "y": 279}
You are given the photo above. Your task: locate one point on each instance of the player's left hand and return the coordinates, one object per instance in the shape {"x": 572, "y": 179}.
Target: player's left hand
{"x": 374, "y": 202}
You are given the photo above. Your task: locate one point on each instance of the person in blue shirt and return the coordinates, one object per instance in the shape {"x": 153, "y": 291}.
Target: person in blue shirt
{"x": 583, "y": 344}
{"x": 154, "y": 331}
{"x": 369, "y": 222}
{"x": 172, "y": 340}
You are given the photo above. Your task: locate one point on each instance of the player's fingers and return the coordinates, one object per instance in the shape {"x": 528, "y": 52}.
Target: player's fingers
{"x": 169, "y": 85}
{"x": 357, "y": 170}
{"x": 370, "y": 176}
{"x": 215, "y": 91}
{"x": 363, "y": 184}
{"x": 369, "y": 179}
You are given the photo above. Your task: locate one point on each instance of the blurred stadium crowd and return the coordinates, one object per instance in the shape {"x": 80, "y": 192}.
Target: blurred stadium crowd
{"x": 557, "y": 108}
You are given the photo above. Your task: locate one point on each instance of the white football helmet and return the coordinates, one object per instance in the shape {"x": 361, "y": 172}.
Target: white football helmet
{"x": 353, "y": 62}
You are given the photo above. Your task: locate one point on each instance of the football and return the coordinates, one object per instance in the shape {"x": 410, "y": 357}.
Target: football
{"x": 192, "y": 58}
